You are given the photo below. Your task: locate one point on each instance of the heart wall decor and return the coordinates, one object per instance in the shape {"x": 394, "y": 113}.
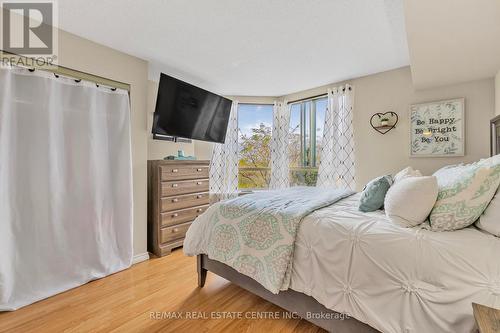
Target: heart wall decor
{"x": 384, "y": 122}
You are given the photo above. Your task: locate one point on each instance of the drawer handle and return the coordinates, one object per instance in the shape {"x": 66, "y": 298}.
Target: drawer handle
{"x": 175, "y": 170}
{"x": 199, "y": 169}
{"x": 175, "y": 215}
{"x": 175, "y": 230}
{"x": 175, "y": 185}
{"x": 199, "y": 210}
{"x": 199, "y": 196}
{"x": 175, "y": 200}
{"x": 199, "y": 183}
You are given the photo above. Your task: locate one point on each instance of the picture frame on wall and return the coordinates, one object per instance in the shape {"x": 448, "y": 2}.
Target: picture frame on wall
{"x": 437, "y": 129}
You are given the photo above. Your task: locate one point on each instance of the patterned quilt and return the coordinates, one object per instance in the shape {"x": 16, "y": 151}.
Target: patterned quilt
{"x": 255, "y": 233}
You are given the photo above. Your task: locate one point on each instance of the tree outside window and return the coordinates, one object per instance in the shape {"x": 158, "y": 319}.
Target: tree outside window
{"x": 255, "y": 130}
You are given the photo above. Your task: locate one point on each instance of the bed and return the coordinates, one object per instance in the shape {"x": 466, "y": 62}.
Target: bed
{"x": 358, "y": 272}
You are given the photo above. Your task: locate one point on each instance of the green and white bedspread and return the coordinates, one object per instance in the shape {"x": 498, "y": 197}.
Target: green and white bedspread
{"x": 255, "y": 233}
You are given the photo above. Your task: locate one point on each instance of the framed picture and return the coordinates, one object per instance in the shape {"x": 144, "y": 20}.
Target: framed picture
{"x": 437, "y": 129}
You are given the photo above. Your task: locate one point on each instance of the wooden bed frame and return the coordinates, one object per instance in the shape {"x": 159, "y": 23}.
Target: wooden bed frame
{"x": 290, "y": 300}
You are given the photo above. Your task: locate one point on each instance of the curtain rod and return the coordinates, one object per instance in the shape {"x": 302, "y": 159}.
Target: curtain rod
{"x": 307, "y": 98}
{"x": 312, "y": 97}
{"x": 64, "y": 71}
{"x": 254, "y": 103}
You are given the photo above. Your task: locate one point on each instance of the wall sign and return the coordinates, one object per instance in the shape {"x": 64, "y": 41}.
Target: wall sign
{"x": 437, "y": 129}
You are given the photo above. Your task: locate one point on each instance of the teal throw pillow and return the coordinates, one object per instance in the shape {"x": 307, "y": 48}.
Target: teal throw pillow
{"x": 373, "y": 195}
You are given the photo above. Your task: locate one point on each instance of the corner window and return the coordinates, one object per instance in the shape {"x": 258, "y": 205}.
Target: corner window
{"x": 254, "y": 140}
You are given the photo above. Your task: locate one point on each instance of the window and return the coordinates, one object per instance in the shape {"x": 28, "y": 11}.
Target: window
{"x": 254, "y": 140}
{"x": 306, "y": 133}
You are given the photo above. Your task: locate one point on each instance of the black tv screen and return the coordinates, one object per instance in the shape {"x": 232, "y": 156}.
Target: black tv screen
{"x": 185, "y": 111}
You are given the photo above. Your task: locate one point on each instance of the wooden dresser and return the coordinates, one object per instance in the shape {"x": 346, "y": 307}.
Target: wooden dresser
{"x": 177, "y": 194}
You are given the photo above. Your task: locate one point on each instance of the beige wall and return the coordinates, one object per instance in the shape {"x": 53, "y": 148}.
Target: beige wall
{"x": 497, "y": 94}
{"x": 83, "y": 55}
{"x": 378, "y": 154}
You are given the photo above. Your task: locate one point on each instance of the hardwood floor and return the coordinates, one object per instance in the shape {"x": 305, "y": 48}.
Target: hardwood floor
{"x": 142, "y": 298}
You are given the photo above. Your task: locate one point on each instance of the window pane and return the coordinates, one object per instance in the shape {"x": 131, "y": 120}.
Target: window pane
{"x": 255, "y": 127}
{"x": 295, "y": 138}
{"x": 321, "y": 105}
{"x": 306, "y": 127}
{"x": 306, "y": 133}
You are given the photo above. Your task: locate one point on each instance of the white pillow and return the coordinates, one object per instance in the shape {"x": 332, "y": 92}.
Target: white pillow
{"x": 409, "y": 201}
{"x": 490, "y": 220}
{"x": 405, "y": 173}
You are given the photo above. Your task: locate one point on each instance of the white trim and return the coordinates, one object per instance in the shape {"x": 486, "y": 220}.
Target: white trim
{"x": 140, "y": 257}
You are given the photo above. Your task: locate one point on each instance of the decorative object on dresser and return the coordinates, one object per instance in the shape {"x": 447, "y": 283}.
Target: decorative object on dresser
{"x": 177, "y": 194}
{"x": 180, "y": 157}
{"x": 487, "y": 319}
{"x": 437, "y": 129}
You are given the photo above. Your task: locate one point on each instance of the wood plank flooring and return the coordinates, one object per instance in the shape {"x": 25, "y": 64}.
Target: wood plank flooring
{"x": 142, "y": 298}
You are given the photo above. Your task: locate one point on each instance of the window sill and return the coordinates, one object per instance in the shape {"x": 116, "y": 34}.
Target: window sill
{"x": 249, "y": 191}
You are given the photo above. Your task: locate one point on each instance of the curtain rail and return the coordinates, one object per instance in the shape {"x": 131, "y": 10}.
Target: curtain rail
{"x": 64, "y": 71}
{"x": 308, "y": 98}
{"x": 254, "y": 103}
{"x": 314, "y": 97}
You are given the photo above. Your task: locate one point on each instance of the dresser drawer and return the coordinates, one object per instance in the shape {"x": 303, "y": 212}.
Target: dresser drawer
{"x": 172, "y": 233}
{"x": 184, "y": 201}
{"x": 173, "y": 172}
{"x": 181, "y": 216}
{"x": 183, "y": 187}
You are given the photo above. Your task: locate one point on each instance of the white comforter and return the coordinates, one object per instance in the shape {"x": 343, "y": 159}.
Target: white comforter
{"x": 394, "y": 279}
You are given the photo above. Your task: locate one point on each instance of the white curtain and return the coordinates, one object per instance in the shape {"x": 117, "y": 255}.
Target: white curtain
{"x": 66, "y": 184}
{"x": 336, "y": 167}
{"x": 224, "y": 162}
{"x": 280, "y": 168}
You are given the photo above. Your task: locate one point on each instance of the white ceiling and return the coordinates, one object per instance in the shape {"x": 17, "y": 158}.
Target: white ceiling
{"x": 248, "y": 47}
{"x": 452, "y": 41}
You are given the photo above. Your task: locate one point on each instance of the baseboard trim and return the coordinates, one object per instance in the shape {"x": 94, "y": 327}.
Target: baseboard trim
{"x": 140, "y": 257}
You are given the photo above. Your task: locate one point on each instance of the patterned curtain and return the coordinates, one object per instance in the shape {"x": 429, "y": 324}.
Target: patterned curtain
{"x": 336, "y": 167}
{"x": 224, "y": 162}
{"x": 280, "y": 171}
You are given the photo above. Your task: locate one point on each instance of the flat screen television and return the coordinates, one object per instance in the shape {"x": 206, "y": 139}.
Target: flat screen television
{"x": 185, "y": 111}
